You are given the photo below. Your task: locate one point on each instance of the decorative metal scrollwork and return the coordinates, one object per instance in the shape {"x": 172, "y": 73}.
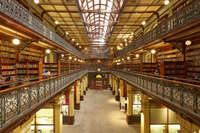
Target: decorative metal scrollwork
{"x": 34, "y": 94}
{"x": 11, "y": 105}
{"x": 15, "y": 102}
{"x": 24, "y": 98}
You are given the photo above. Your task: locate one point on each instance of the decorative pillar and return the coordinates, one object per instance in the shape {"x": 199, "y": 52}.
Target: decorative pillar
{"x": 81, "y": 90}
{"x": 145, "y": 114}
{"x": 117, "y": 97}
{"x": 109, "y": 86}
{"x": 121, "y": 86}
{"x": 58, "y": 122}
{"x": 113, "y": 88}
{"x": 77, "y": 102}
{"x": 87, "y": 85}
{"x": 125, "y": 94}
{"x": 59, "y": 68}
{"x": 129, "y": 104}
{"x": 110, "y": 82}
{"x": 40, "y": 69}
{"x": 84, "y": 85}
{"x": 71, "y": 107}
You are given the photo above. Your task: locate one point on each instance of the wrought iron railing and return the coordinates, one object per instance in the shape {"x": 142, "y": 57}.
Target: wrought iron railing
{"x": 188, "y": 14}
{"x": 16, "y": 101}
{"x": 14, "y": 10}
{"x": 181, "y": 95}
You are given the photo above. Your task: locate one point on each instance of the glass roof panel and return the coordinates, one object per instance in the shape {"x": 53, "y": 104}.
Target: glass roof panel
{"x": 97, "y": 16}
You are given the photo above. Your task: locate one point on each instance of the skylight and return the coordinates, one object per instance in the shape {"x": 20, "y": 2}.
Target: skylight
{"x": 99, "y": 17}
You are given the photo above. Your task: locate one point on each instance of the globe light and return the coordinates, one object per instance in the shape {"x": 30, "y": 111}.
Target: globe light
{"x": 36, "y": 1}
{"x": 188, "y": 42}
{"x": 137, "y": 55}
{"x": 16, "y": 41}
{"x": 143, "y": 22}
{"x": 62, "y": 55}
{"x": 56, "y": 22}
{"x": 153, "y": 51}
{"x": 70, "y": 57}
{"x": 48, "y": 51}
{"x": 166, "y": 2}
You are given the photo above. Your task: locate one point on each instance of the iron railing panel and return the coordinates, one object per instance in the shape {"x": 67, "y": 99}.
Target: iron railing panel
{"x": 182, "y": 95}
{"x": 14, "y": 102}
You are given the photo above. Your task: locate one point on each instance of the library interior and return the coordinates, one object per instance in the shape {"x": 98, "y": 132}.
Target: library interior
{"x": 99, "y": 66}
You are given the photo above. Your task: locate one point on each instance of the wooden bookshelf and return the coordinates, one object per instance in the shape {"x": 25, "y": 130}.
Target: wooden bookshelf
{"x": 148, "y": 67}
{"x": 7, "y": 59}
{"x": 52, "y": 67}
{"x": 193, "y": 60}
{"x": 170, "y": 55}
{"x": 64, "y": 68}
{"x": 27, "y": 70}
{"x": 174, "y": 69}
{"x": 135, "y": 67}
{"x": 31, "y": 54}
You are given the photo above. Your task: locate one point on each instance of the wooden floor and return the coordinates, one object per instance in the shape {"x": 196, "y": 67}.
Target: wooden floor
{"x": 100, "y": 114}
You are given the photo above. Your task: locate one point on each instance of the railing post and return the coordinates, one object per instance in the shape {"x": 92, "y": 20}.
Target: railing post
{"x": 181, "y": 96}
{"x": 157, "y": 87}
{"x": 38, "y": 92}
{"x": 19, "y": 101}
{"x": 1, "y": 111}
{"x": 171, "y": 93}
{"x": 195, "y": 103}
{"x": 163, "y": 89}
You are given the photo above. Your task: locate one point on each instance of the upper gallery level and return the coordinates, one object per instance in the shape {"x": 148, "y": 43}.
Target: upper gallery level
{"x": 131, "y": 24}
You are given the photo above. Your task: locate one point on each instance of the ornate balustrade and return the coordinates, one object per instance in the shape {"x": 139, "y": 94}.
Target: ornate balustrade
{"x": 20, "y": 100}
{"x": 188, "y": 14}
{"x": 183, "y": 96}
{"x": 15, "y": 11}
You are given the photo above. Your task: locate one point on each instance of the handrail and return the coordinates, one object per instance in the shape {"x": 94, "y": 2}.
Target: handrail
{"x": 16, "y": 101}
{"x": 32, "y": 83}
{"x": 17, "y": 12}
{"x": 184, "y": 80}
{"x": 165, "y": 78}
{"x": 33, "y": 80}
{"x": 182, "y": 97}
{"x": 187, "y": 15}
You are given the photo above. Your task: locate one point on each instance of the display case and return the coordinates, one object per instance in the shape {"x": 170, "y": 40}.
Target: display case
{"x": 136, "y": 104}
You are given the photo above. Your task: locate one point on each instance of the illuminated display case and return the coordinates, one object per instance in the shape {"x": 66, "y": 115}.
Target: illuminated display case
{"x": 136, "y": 104}
{"x": 44, "y": 121}
{"x": 163, "y": 119}
{"x": 65, "y": 110}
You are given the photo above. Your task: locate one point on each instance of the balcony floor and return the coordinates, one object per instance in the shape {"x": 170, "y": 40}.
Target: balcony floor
{"x": 100, "y": 114}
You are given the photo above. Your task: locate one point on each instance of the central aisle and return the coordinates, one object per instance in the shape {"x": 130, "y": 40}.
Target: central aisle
{"x": 100, "y": 114}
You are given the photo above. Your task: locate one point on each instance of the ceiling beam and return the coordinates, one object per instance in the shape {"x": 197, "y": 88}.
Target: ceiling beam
{"x": 71, "y": 4}
{"x": 99, "y": 11}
